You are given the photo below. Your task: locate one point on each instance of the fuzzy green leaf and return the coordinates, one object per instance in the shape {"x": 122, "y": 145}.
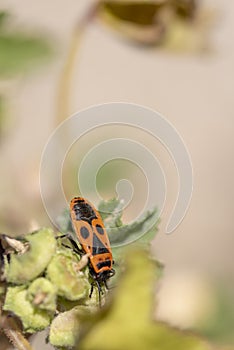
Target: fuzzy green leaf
{"x": 129, "y": 324}
{"x": 125, "y": 234}
{"x": 139, "y": 12}
{"x": 143, "y": 229}
{"x": 177, "y": 25}
{"x": 20, "y": 52}
{"x": 138, "y": 21}
{"x": 64, "y": 221}
{"x": 109, "y": 208}
{"x": 3, "y": 16}
{"x": 42, "y": 294}
{"x": 24, "y": 268}
{"x": 62, "y": 272}
{"x": 66, "y": 326}
{"x": 33, "y": 319}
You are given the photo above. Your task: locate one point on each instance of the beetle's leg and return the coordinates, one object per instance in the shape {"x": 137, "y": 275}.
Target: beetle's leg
{"x": 84, "y": 260}
{"x": 76, "y": 248}
{"x": 91, "y": 290}
{"x": 112, "y": 272}
{"x": 62, "y": 236}
{"x": 106, "y": 285}
{"x": 99, "y": 293}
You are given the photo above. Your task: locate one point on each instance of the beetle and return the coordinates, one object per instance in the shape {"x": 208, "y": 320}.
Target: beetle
{"x": 92, "y": 236}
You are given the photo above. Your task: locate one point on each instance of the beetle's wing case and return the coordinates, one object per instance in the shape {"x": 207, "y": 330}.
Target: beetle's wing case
{"x": 91, "y": 234}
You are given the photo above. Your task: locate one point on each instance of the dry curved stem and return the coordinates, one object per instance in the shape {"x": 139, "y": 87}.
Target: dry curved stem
{"x": 14, "y": 334}
{"x": 64, "y": 89}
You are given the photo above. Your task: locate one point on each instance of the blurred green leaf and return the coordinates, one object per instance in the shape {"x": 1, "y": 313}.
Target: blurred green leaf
{"x": 143, "y": 229}
{"x": 139, "y": 12}
{"x": 145, "y": 12}
{"x": 128, "y": 323}
{"x": 108, "y": 208}
{"x": 17, "y": 302}
{"x": 25, "y": 267}
{"x": 141, "y": 232}
{"x": 218, "y": 325}
{"x": 62, "y": 272}
{"x": 19, "y": 52}
{"x": 64, "y": 221}
{"x": 125, "y": 234}
{"x": 185, "y": 8}
{"x": 177, "y": 25}
{"x": 64, "y": 328}
{"x": 138, "y": 21}
{"x": 3, "y": 16}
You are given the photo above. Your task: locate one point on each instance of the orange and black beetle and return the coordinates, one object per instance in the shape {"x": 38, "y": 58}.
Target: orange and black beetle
{"x": 93, "y": 238}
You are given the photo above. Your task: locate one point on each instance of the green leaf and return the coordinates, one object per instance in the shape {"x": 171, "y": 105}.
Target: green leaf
{"x": 143, "y": 229}
{"x": 177, "y": 25}
{"x": 3, "y": 16}
{"x": 64, "y": 222}
{"x": 218, "y": 324}
{"x": 42, "y": 294}
{"x": 33, "y": 318}
{"x": 138, "y": 12}
{"x": 109, "y": 208}
{"x": 20, "y": 52}
{"x": 138, "y": 21}
{"x": 62, "y": 271}
{"x": 138, "y": 230}
{"x": 128, "y": 323}
{"x": 24, "y": 268}
{"x": 65, "y": 327}
{"x": 144, "y": 12}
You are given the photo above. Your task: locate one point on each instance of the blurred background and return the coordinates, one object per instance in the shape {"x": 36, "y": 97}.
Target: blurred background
{"x": 58, "y": 57}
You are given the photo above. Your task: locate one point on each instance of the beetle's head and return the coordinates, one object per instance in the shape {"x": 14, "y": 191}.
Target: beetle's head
{"x": 105, "y": 275}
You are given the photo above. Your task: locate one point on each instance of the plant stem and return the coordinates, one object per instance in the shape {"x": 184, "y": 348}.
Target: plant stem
{"x": 13, "y": 333}
{"x": 65, "y": 82}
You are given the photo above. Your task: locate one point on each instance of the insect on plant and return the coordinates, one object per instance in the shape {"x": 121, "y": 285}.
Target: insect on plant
{"x": 92, "y": 236}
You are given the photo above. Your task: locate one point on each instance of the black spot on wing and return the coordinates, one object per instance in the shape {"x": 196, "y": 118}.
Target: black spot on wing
{"x": 99, "y": 229}
{"x": 98, "y": 246}
{"x": 84, "y": 232}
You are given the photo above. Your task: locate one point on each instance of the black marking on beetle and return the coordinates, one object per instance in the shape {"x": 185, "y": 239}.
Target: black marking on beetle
{"x": 103, "y": 264}
{"x": 78, "y": 200}
{"x": 84, "y": 232}
{"x": 99, "y": 229}
{"x": 98, "y": 247}
{"x": 84, "y": 211}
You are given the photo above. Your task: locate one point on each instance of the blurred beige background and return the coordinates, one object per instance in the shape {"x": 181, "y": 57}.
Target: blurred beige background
{"x": 194, "y": 92}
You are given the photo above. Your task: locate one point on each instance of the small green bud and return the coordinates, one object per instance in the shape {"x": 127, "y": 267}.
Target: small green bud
{"x": 66, "y": 326}
{"x": 42, "y": 294}
{"x": 24, "y": 268}
{"x": 33, "y": 319}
